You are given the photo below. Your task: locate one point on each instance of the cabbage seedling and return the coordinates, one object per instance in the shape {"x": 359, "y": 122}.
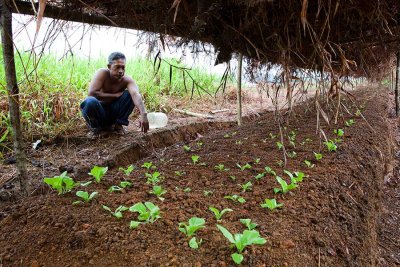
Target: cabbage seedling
{"x": 85, "y": 196}
{"x": 194, "y": 244}
{"x": 193, "y": 225}
{"x": 195, "y": 159}
{"x": 98, "y": 173}
{"x": 296, "y": 177}
{"x": 221, "y": 167}
{"x": 187, "y": 148}
{"x": 271, "y": 204}
{"x": 284, "y": 186}
{"x": 318, "y": 156}
{"x": 259, "y": 176}
{"x": 218, "y": 214}
{"x": 309, "y": 164}
{"x": 241, "y": 241}
{"x": 149, "y": 165}
{"x": 238, "y": 142}
{"x": 148, "y": 212}
{"x": 269, "y": 170}
{"x": 330, "y": 145}
{"x": 118, "y": 211}
{"x": 339, "y": 132}
{"x": 128, "y": 170}
{"x": 247, "y": 222}
{"x": 158, "y": 191}
{"x": 237, "y": 198}
{"x": 247, "y": 186}
{"x": 272, "y": 136}
{"x": 244, "y": 167}
{"x": 62, "y": 183}
{"x": 125, "y": 184}
{"x": 134, "y": 224}
{"x": 206, "y": 193}
{"x": 153, "y": 178}
{"x": 279, "y": 145}
{"x": 292, "y": 154}
{"x": 232, "y": 177}
{"x": 121, "y": 186}
{"x": 257, "y": 160}
{"x": 349, "y": 123}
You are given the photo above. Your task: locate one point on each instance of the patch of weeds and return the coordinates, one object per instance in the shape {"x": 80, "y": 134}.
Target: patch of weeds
{"x": 271, "y": 204}
{"x": 62, "y": 183}
{"x": 98, "y": 173}
{"x": 241, "y": 241}
{"x": 218, "y": 214}
{"x": 257, "y": 161}
{"x": 128, "y": 170}
{"x": 235, "y": 198}
{"x": 84, "y": 196}
{"x": 118, "y": 211}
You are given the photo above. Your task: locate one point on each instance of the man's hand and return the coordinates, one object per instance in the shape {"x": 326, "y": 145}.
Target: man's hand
{"x": 144, "y": 123}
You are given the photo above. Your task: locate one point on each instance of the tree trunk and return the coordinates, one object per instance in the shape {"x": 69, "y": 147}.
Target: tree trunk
{"x": 13, "y": 94}
{"x": 396, "y": 89}
{"x": 239, "y": 90}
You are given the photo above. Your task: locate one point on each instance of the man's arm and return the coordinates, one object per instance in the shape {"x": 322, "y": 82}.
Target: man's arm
{"x": 138, "y": 101}
{"x": 95, "y": 87}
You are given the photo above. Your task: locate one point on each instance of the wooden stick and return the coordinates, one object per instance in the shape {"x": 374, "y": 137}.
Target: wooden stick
{"x": 219, "y": 110}
{"x": 186, "y": 112}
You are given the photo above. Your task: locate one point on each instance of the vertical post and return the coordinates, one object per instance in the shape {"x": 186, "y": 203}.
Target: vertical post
{"x": 13, "y": 94}
{"x": 239, "y": 90}
{"x": 396, "y": 89}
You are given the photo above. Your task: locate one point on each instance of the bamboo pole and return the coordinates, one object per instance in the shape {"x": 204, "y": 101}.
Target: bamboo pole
{"x": 396, "y": 89}
{"x": 239, "y": 90}
{"x": 13, "y": 94}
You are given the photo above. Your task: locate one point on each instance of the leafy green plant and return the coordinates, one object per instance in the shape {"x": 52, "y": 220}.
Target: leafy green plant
{"x": 128, "y": 170}
{"x": 148, "y": 212}
{"x": 280, "y": 163}
{"x": 257, "y": 160}
{"x": 98, "y": 173}
{"x": 226, "y": 135}
{"x": 206, "y": 193}
{"x": 339, "y": 132}
{"x": 153, "y": 178}
{"x": 241, "y": 241}
{"x": 279, "y": 145}
{"x": 318, "y": 156}
{"x": 295, "y": 177}
{"x": 271, "y": 204}
{"x": 122, "y": 185}
{"x": 192, "y": 226}
{"x": 247, "y": 186}
{"x": 220, "y": 167}
{"x": 158, "y": 191}
{"x": 148, "y": 165}
{"x": 309, "y": 164}
{"x": 349, "y": 122}
{"x": 125, "y": 184}
{"x": 244, "y": 167}
{"x": 247, "y": 222}
{"x": 259, "y": 176}
{"x": 330, "y": 145}
{"x": 238, "y": 142}
{"x": 179, "y": 173}
{"x": 187, "y": 190}
{"x": 284, "y": 186}
{"x": 84, "y": 196}
{"x": 272, "y": 136}
{"x": 237, "y": 198}
{"x": 118, "y": 211}
{"x": 62, "y": 183}
{"x": 195, "y": 159}
{"x": 218, "y": 214}
{"x": 269, "y": 170}
{"x": 187, "y": 148}
{"x": 292, "y": 154}
{"x": 194, "y": 244}
{"x": 307, "y": 140}
{"x": 232, "y": 177}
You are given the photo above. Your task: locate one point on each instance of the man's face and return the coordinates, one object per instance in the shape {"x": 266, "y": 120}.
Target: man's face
{"x": 117, "y": 68}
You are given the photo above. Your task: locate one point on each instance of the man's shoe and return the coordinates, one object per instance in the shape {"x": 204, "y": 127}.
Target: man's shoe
{"x": 93, "y": 134}
{"x": 119, "y": 129}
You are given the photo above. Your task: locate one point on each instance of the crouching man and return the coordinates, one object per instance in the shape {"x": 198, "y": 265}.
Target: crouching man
{"x": 112, "y": 98}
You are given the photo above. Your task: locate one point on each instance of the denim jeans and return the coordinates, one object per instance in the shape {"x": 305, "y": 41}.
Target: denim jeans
{"x": 101, "y": 115}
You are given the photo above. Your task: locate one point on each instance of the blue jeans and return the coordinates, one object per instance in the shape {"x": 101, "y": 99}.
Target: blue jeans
{"x": 101, "y": 115}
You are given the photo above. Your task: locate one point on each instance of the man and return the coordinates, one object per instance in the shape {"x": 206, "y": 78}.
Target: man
{"x": 109, "y": 104}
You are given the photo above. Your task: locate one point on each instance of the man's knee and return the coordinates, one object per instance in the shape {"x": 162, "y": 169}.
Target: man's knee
{"x": 90, "y": 102}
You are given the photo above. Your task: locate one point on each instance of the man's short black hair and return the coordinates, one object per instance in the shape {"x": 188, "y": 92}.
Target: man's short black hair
{"x": 115, "y": 56}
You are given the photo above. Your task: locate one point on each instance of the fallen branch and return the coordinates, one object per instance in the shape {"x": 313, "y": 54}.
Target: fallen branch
{"x": 193, "y": 114}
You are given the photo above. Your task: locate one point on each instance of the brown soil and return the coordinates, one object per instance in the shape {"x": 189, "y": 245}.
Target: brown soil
{"x": 330, "y": 220}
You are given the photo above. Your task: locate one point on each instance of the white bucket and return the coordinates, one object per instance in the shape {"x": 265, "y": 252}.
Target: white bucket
{"x": 157, "y": 119}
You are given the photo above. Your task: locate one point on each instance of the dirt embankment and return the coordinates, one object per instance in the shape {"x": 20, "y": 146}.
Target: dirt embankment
{"x": 330, "y": 220}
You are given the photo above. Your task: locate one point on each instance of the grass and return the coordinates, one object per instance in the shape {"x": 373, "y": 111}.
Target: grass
{"x": 51, "y": 94}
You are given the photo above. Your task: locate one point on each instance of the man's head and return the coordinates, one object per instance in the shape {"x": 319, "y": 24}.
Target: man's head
{"x": 116, "y": 65}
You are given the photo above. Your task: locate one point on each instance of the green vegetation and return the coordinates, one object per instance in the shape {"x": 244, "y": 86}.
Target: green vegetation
{"x": 98, "y": 173}
{"x": 158, "y": 191}
{"x": 349, "y": 122}
{"x": 247, "y": 186}
{"x": 318, "y": 156}
{"x": 195, "y": 159}
{"x": 118, "y": 211}
{"x": 153, "y": 178}
{"x": 84, "y": 196}
{"x": 192, "y": 226}
{"x": 148, "y": 212}
{"x": 244, "y": 167}
{"x": 148, "y": 165}
{"x": 218, "y": 214}
{"x": 237, "y": 198}
{"x": 330, "y": 145}
{"x": 247, "y": 222}
{"x": 128, "y": 170}
{"x": 271, "y": 204}
{"x": 62, "y": 183}
{"x": 221, "y": 167}
{"x": 187, "y": 148}
{"x": 122, "y": 185}
{"x": 284, "y": 186}
{"x": 309, "y": 164}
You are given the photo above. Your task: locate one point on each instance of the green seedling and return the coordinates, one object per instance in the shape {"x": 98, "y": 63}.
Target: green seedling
{"x": 257, "y": 160}
{"x": 232, "y": 177}
{"x": 307, "y": 140}
{"x": 233, "y": 133}
{"x": 237, "y": 198}
{"x": 271, "y": 204}
{"x": 272, "y": 136}
{"x": 193, "y": 225}
{"x": 330, "y": 145}
{"x": 85, "y": 196}
{"x": 280, "y": 163}
{"x": 279, "y": 145}
{"x": 259, "y": 176}
{"x": 118, "y": 211}
{"x": 134, "y": 224}
{"x": 114, "y": 188}
{"x": 195, "y": 159}
{"x": 187, "y": 190}
{"x": 269, "y": 170}
{"x": 292, "y": 154}
{"x": 318, "y": 156}
{"x": 207, "y": 193}
{"x": 244, "y": 167}
{"x": 284, "y": 186}
{"x": 153, "y": 178}
{"x": 194, "y": 244}
{"x": 148, "y": 165}
{"x": 218, "y": 214}
{"x": 148, "y": 212}
{"x": 309, "y": 164}
{"x": 339, "y": 132}
{"x": 241, "y": 241}
{"x": 238, "y": 142}
{"x": 358, "y": 113}
{"x": 199, "y": 144}
{"x": 221, "y": 167}
{"x": 187, "y": 148}
{"x": 85, "y": 183}
{"x": 226, "y": 136}
{"x": 349, "y": 123}
{"x": 62, "y": 183}
{"x": 158, "y": 191}
{"x": 179, "y": 173}
{"x": 128, "y": 170}
{"x": 247, "y": 186}
{"x": 125, "y": 184}
{"x": 247, "y": 222}
{"x": 295, "y": 177}
{"x": 98, "y": 173}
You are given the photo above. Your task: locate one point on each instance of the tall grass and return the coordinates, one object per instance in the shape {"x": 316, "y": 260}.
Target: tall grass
{"x": 51, "y": 92}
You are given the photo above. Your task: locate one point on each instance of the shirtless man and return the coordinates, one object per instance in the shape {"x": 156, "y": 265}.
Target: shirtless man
{"x": 109, "y": 104}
